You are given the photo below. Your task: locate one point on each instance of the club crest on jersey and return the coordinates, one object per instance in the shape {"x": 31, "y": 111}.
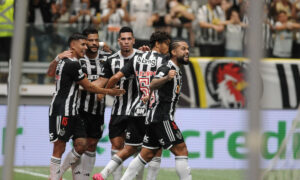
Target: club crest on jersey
{"x": 179, "y": 135}
{"x": 142, "y": 60}
{"x": 140, "y": 111}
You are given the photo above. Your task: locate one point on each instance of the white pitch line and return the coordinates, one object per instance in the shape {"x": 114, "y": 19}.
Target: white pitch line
{"x": 32, "y": 173}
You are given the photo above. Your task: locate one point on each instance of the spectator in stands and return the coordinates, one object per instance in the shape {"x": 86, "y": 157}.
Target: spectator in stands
{"x": 210, "y": 18}
{"x": 268, "y": 39}
{"x": 284, "y": 36}
{"x": 113, "y": 17}
{"x": 157, "y": 19}
{"x": 140, "y": 11}
{"x": 40, "y": 18}
{"x": 84, "y": 16}
{"x": 181, "y": 17}
{"x": 281, "y": 5}
{"x": 234, "y": 35}
{"x": 6, "y": 28}
{"x": 296, "y": 16}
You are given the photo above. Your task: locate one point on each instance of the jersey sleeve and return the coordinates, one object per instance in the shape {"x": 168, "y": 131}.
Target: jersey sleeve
{"x": 106, "y": 71}
{"x": 74, "y": 70}
{"x": 127, "y": 70}
{"x": 162, "y": 72}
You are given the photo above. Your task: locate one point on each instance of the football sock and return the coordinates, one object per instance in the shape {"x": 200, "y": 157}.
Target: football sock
{"x": 112, "y": 165}
{"x": 55, "y": 168}
{"x": 182, "y": 168}
{"x": 153, "y": 168}
{"x": 134, "y": 167}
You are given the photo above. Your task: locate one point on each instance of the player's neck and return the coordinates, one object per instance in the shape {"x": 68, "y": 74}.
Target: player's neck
{"x": 126, "y": 53}
{"x": 175, "y": 61}
{"x": 91, "y": 55}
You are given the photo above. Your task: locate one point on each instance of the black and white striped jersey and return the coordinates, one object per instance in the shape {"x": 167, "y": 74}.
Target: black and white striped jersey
{"x": 143, "y": 67}
{"x": 64, "y": 101}
{"x": 166, "y": 96}
{"x": 93, "y": 69}
{"x": 112, "y": 65}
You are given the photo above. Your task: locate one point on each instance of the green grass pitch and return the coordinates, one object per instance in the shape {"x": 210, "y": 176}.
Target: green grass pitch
{"x": 41, "y": 173}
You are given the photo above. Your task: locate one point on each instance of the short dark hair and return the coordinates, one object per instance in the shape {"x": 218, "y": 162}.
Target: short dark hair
{"x": 76, "y": 36}
{"x": 125, "y": 29}
{"x": 174, "y": 44}
{"x": 89, "y": 31}
{"x": 160, "y": 37}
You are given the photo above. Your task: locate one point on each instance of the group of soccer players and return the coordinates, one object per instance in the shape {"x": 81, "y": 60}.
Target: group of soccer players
{"x": 146, "y": 86}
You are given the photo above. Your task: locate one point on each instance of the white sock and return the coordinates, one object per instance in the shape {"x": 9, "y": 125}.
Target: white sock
{"x": 140, "y": 174}
{"x": 134, "y": 167}
{"x": 182, "y": 168}
{"x": 70, "y": 160}
{"x": 112, "y": 165}
{"x": 117, "y": 173}
{"x": 153, "y": 168}
{"x": 55, "y": 168}
{"x": 82, "y": 170}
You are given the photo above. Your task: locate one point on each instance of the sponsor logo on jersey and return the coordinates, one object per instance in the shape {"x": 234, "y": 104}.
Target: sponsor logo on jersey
{"x": 146, "y": 139}
{"x": 161, "y": 141}
{"x": 145, "y": 73}
{"x": 140, "y": 111}
{"x": 142, "y": 60}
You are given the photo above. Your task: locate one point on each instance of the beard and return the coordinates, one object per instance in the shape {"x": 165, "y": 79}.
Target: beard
{"x": 182, "y": 61}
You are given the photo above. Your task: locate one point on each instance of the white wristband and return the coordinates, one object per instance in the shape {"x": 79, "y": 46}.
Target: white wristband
{"x": 57, "y": 59}
{"x": 101, "y": 44}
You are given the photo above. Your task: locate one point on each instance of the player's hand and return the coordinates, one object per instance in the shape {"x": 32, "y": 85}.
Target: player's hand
{"x": 106, "y": 48}
{"x": 171, "y": 74}
{"x": 65, "y": 54}
{"x": 145, "y": 99}
{"x": 116, "y": 92}
{"x": 100, "y": 96}
{"x": 144, "y": 48}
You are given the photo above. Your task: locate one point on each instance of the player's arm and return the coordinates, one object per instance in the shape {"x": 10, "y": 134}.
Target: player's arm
{"x": 156, "y": 83}
{"x": 114, "y": 79}
{"x": 126, "y": 71}
{"x": 87, "y": 85}
{"x": 100, "y": 82}
{"x": 54, "y": 62}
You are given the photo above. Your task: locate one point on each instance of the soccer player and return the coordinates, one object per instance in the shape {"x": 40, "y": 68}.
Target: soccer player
{"x": 143, "y": 68}
{"x": 90, "y": 109}
{"x": 162, "y": 130}
{"x": 64, "y": 121}
{"x": 121, "y": 106}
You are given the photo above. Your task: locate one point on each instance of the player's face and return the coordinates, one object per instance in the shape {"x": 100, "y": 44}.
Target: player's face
{"x": 182, "y": 53}
{"x": 93, "y": 43}
{"x": 164, "y": 47}
{"x": 126, "y": 41}
{"x": 79, "y": 47}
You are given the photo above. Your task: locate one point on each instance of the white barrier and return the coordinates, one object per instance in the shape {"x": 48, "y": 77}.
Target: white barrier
{"x": 215, "y": 137}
